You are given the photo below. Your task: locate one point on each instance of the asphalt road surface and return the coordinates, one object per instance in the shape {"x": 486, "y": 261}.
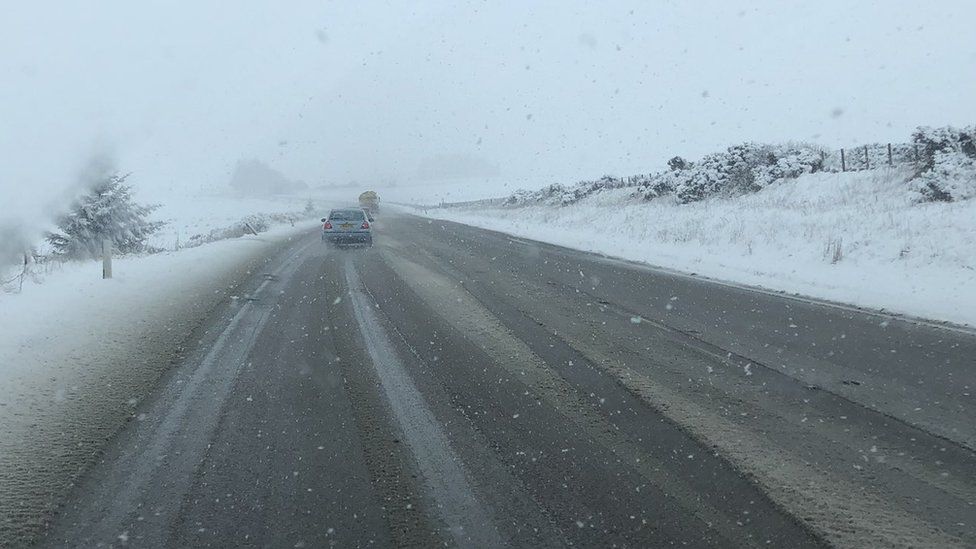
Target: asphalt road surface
{"x": 455, "y": 386}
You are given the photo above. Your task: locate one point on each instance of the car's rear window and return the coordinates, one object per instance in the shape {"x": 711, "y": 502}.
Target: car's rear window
{"x": 346, "y": 215}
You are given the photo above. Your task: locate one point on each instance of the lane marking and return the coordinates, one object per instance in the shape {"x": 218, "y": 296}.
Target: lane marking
{"x": 470, "y": 523}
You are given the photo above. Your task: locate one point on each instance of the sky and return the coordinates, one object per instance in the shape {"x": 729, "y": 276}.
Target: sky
{"x": 332, "y": 92}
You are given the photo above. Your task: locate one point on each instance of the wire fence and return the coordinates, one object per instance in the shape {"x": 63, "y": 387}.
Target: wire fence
{"x": 15, "y": 283}
{"x": 873, "y": 156}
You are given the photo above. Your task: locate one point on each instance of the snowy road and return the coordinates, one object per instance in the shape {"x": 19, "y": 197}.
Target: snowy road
{"x": 454, "y": 385}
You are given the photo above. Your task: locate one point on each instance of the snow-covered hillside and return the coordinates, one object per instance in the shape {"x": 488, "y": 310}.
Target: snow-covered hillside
{"x": 856, "y": 237}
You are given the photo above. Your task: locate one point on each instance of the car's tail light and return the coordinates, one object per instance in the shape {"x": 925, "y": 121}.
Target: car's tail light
{"x": 327, "y": 226}
{"x": 365, "y": 225}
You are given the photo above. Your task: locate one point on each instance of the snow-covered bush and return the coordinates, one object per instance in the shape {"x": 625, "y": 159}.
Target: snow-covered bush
{"x": 677, "y": 163}
{"x": 944, "y": 160}
{"x": 946, "y": 168}
{"x": 660, "y": 184}
{"x": 947, "y": 138}
{"x": 520, "y": 197}
{"x": 257, "y": 222}
{"x": 552, "y": 195}
{"x": 106, "y": 212}
{"x": 740, "y": 169}
{"x": 560, "y": 195}
{"x": 952, "y": 176}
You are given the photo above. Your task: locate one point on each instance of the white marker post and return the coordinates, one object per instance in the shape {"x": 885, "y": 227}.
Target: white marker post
{"x": 106, "y": 259}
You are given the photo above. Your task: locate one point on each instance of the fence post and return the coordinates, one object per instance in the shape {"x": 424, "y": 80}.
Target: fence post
{"x": 843, "y": 161}
{"x": 106, "y": 259}
{"x": 890, "y": 163}
{"x": 867, "y": 163}
{"x": 23, "y": 274}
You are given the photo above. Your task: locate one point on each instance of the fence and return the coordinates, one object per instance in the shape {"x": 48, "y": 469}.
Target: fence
{"x": 12, "y": 277}
{"x": 867, "y": 157}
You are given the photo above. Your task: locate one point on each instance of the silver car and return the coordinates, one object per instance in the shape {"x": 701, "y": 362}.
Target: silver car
{"x": 347, "y": 226}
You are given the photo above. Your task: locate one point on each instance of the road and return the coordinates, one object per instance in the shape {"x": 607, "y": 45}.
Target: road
{"x": 457, "y": 386}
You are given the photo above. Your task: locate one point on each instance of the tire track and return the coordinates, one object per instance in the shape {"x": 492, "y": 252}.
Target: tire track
{"x": 470, "y": 523}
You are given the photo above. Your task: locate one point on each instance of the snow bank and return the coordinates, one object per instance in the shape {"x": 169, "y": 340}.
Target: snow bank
{"x": 859, "y": 237}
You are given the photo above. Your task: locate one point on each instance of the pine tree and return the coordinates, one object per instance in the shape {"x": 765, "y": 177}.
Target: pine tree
{"x": 105, "y": 212}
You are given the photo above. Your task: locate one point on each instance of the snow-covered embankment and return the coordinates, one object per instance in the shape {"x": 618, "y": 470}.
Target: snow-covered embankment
{"x": 861, "y": 238}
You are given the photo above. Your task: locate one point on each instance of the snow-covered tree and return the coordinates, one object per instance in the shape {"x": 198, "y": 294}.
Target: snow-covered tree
{"x": 107, "y": 211}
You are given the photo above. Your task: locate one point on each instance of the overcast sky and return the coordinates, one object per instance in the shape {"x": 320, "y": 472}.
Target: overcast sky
{"x": 335, "y": 91}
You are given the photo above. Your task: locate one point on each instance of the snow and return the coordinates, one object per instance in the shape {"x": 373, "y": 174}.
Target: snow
{"x": 860, "y": 238}
{"x": 78, "y": 353}
{"x": 196, "y": 215}
{"x": 51, "y": 330}
{"x": 65, "y": 309}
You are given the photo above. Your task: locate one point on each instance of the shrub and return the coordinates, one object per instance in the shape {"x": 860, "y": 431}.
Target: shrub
{"x": 952, "y": 176}
{"x": 657, "y": 185}
{"x": 744, "y": 168}
{"x": 560, "y": 195}
{"x": 946, "y": 168}
{"x": 677, "y": 163}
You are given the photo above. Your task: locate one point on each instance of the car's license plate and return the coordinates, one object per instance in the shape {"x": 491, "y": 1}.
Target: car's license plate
{"x": 346, "y": 225}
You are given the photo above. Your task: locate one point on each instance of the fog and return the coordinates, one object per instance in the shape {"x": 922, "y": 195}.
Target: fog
{"x": 328, "y": 92}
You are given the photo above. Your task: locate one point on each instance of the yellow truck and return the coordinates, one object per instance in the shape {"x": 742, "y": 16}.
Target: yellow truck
{"x": 370, "y": 201}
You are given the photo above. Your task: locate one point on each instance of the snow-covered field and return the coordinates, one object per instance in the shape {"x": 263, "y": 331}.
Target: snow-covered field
{"x": 187, "y": 217}
{"x": 859, "y": 238}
